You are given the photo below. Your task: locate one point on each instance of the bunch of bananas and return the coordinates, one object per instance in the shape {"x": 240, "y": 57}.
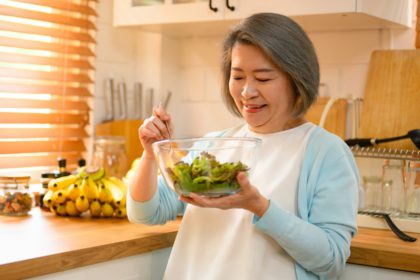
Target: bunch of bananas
{"x": 85, "y": 191}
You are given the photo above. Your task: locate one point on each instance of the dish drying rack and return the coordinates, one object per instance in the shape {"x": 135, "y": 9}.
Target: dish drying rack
{"x": 385, "y": 153}
{"x": 404, "y": 224}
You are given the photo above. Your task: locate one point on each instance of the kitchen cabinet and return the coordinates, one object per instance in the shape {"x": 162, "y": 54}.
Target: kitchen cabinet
{"x": 128, "y": 14}
{"x": 46, "y": 246}
{"x": 193, "y": 17}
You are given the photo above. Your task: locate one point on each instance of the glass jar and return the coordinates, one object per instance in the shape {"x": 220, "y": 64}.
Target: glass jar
{"x": 109, "y": 153}
{"x": 412, "y": 206}
{"x": 15, "y": 197}
{"x": 373, "y": 192}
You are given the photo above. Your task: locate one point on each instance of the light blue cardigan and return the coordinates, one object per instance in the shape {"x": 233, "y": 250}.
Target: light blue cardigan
{"x": 319, "y": 238}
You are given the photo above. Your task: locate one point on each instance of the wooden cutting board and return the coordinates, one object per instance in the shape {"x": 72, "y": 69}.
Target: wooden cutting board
{"x": 391, "y": 104}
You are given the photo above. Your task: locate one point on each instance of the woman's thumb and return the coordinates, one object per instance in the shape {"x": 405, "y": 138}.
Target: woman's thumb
{"x": 243, "y": 179}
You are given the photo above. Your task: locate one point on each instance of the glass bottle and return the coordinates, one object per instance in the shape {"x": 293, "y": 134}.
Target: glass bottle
{"x": 109, "y": 153}
{"x": 62, "y": 167}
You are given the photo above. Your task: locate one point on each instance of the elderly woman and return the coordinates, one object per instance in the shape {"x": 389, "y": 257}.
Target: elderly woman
{"x": 294, "y": 217}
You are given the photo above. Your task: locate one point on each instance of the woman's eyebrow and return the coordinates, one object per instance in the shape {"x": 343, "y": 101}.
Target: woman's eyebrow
{"x": 255, "y": 71}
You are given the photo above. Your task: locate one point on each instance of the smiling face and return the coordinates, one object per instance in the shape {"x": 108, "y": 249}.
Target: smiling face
{"x": 261, "y": 91}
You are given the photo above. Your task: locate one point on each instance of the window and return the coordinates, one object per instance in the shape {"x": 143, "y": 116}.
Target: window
{"x": 46, "y": 65}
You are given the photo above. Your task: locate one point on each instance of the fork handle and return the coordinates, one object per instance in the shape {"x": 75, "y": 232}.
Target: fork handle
{"x": 397, "y": 231}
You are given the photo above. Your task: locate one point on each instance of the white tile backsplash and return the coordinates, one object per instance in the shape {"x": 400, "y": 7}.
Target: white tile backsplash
{"x": 345, "y": 46}
{"x": 192, "y": 80}
{"x": 212, "y": 84}
{"x": 200, "y": 51}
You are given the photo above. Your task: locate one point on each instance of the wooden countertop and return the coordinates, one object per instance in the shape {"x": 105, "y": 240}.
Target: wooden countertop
{"x": 42, "y": 243}
{"x": 381, "y": 248}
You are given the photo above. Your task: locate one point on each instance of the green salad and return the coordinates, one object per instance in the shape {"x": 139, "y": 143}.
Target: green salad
{"x": 206, "y": 174}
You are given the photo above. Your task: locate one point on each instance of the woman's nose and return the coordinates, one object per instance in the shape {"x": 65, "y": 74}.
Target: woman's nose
{"x": 249, "y": 91}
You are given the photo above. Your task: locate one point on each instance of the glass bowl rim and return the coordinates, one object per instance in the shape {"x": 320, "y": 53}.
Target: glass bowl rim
{"x": 199, "y": 139}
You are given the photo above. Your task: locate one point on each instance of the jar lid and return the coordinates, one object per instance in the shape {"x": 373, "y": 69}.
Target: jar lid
{"x": 17, "y": 179}
{"x": 62, "y": 162}
{"x": 50, "y": 175}
{"x": 81, "y": 162}
{"x": 104, "y": 140}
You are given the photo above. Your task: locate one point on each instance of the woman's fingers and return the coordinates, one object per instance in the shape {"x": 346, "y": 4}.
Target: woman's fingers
{"x": 155, "y": 128}
{"x": 247, "y": 198}
{"x": 165, "y": 118}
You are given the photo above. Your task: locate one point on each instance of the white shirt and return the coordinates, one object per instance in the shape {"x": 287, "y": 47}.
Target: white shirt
{"x": 214, "y": 244}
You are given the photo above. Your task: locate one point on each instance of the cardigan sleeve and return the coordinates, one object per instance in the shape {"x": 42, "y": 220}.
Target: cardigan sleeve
{"x": 162, "y": 207}
{"x": 319, "y": 240}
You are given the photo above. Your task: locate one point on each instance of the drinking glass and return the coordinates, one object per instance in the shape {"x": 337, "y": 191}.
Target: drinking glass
{"x": 373, "y": 192}
{"x": 393, "y": 176}
{"x": 412, "y": 190}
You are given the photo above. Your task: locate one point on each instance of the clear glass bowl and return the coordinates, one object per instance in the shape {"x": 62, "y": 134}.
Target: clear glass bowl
{"x": 206, "y": 166}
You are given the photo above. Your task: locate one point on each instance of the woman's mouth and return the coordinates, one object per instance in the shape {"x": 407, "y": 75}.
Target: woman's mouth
{"x": 253, "y": 108}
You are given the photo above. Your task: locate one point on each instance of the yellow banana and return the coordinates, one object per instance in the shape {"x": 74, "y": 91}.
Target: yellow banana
{"x": 135, "y": 163}
{"x": 104, "y": 194}
{"x": 73, "y": 191}
{"x": 107, "y": 210}
{"x": 118, "y": 182}
{"x": 47, "y": 200}
{"x": 96, "y": 174}
{"x": 129, "y": 175}
{"x": 71, "y": 208}
{"x": 62, "y": 182}
{"x": 58, "y": 197}
{"x": 95, "y": 208}
{"x": 121, "y": 212}
{"x": 90, "y": 189}
{"x": 53, "y": 209}
{"x": 118, "y": 196}
{"x": 81, "y": 172}
{"x": 82, "y": 204}
{"x": 122, "y": 202}
{"x": 61, "y": 209}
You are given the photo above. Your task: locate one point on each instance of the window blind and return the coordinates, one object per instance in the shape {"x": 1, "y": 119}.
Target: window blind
{"x": 418, "y": 26}
{"x": 46, "y": 69}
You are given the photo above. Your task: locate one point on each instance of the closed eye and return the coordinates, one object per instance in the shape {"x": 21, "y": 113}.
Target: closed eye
{"x": 263, "y": 80}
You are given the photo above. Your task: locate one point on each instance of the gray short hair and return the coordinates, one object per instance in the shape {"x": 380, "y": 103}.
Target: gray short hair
{"x": 288, "y": 47}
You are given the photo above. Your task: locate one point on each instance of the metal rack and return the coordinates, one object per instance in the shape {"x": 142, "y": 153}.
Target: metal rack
{"x": 386, "y": 153}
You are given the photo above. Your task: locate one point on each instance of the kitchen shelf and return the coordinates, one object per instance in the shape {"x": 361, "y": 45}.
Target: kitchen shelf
{"x": 385, "y": 153}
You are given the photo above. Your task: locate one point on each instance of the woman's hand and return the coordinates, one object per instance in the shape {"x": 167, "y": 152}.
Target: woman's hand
{"x": 248, "y": 198}
{"x": 155, "y": 128}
